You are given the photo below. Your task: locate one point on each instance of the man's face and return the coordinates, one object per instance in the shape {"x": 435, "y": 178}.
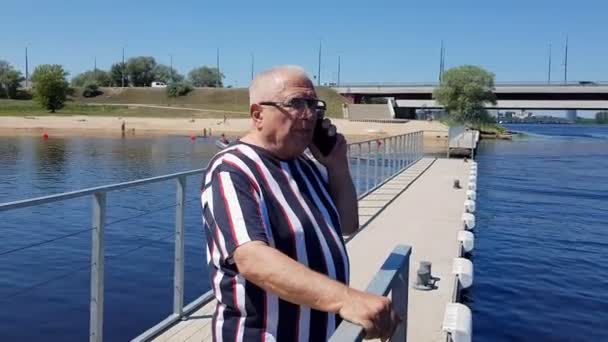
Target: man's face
{"x": 290, "y": 127}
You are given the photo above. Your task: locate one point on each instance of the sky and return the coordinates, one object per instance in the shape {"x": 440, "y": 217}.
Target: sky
{"x": 377, "y": 41}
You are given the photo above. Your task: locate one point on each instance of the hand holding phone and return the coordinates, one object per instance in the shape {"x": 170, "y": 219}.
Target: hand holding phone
{"x": 322, "y": 139}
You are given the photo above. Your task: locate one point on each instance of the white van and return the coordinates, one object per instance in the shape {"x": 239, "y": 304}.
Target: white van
{"x": 159, "y": 85}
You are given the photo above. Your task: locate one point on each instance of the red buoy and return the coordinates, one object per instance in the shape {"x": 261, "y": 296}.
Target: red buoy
{"x": 193, "y": 137}
{"x": 45, "y": 136}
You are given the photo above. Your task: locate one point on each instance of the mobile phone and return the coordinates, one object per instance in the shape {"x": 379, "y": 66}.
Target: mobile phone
{"x": 324, "y": 142}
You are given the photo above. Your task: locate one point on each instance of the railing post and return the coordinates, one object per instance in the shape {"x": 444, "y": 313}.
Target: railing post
{"x": 394, "y": 154}
{"x": 358, "y": 173}
{"x": 367, "y": 168}
{"x": 399, "y": 297}
{"x": 97, "y": 267}
{"x": 391, "y": 166}
{"x": 415, "y": 146}
{"x": 376, "y": 163}
{"x": 385, "y": 160}
{"x": 178, "y": 272}
{"x": 421, "y": 144}
{"x": 401, "y": 152}
{"x": 407, "y": 148}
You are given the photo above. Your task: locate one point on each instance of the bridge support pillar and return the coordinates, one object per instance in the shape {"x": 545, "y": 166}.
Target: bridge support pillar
{"x": 353, "y": 98}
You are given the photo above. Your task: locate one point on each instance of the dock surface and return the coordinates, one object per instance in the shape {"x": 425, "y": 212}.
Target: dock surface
{"x": 418, "y": 207}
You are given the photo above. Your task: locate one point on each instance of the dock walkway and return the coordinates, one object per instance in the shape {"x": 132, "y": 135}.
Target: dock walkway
{"x": 418, "y": 207}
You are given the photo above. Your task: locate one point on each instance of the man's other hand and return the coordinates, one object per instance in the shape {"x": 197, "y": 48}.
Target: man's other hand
{"x": 374, "y": 313}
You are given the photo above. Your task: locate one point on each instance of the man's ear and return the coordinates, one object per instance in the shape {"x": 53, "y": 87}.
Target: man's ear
{"x": 255, "y": 111}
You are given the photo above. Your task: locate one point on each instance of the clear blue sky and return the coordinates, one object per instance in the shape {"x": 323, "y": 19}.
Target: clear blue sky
{"x": 378, "y": 40}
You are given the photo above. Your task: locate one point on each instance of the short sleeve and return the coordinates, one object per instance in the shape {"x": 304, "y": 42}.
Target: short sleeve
{"x": 236, "y": 208}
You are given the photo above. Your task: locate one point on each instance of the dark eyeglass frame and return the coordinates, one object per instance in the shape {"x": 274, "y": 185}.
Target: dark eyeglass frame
{"x": 313, "y": 104}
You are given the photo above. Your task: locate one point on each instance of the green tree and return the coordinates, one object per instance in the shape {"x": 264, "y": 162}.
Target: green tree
{"x": 601, "y": 117}
{"x": 464, "y": 91}
{"x": 50, "y": 86}
{"x": 164, "y": 73}
{"x": 141, "y": 71}
{"x": 9, "y": 80}
{"x": 116, "y": 74}
{"x": 205, "y": 77}
{"x": 99, "y": 77}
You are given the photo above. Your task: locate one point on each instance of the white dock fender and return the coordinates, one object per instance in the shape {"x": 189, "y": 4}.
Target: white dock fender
{"x": 463, "y": 268}
{"x": 471, "y": 195}
{"x": 467, "y": 239}
{"x": 468, "y": 221}
{"x": 469, "y": 206}
{"x": 457, "y": 320}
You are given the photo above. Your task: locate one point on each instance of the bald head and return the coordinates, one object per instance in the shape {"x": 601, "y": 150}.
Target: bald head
{"x": 271, "y": 84}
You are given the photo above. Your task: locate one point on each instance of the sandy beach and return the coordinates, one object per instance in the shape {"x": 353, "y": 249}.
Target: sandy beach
{"x": 435, "y": 132}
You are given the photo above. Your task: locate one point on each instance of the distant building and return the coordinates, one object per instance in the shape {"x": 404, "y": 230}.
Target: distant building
{"x": 522, "y": 114}
{"x": 571, "y": 115}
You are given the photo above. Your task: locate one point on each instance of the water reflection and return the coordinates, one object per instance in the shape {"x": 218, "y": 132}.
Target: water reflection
{"x": 50, "y": 158}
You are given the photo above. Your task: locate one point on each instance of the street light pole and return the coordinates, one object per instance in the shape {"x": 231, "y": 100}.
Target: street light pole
{"x": 566, "y": 63}
{"x": 338, "y": 70}
{"x": 218, "y": 69}
{"x": 319, "y": 70}
{"x": 27, "y": 76}
{"x": 171, "y": 68}
{"x": 252, "y": 63}
{"x": 549, "y": 72}
{"x": 122, "y": 67}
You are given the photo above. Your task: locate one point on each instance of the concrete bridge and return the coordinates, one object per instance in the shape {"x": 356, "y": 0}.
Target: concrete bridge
{"x": 513, "y": 95}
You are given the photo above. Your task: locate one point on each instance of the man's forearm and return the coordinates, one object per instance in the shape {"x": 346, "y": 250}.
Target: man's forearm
{"x": 345, "y": 197}
{"x": 288, "y": 279}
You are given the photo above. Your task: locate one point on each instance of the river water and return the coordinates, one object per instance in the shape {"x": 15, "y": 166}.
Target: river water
{"x": 541, "y": 249}
{"x": 540, "y": 260}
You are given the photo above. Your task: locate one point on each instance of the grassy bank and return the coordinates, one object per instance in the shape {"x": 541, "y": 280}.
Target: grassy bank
{"x": 207, "y": 101}
{"x": 224, "y": 99}
{"x": 488, "y": 129}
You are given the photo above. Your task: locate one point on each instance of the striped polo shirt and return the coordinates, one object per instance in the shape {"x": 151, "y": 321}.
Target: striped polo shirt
{"x": 250, "y": 195}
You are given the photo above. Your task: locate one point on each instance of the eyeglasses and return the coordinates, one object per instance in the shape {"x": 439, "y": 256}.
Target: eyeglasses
{"x": 299, "y": 104}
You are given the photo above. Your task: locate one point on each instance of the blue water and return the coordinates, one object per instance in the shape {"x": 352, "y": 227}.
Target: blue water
{"x": 541, "y": 250}
{"x": 44, "y": 289}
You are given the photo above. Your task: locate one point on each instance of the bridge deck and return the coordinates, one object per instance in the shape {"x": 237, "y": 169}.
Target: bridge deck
{"x": 418, "y": 207}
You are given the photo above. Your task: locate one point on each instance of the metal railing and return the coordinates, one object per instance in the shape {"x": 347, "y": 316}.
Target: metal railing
{"x": 393, "y": 278}
{"x": 375, "y": 162}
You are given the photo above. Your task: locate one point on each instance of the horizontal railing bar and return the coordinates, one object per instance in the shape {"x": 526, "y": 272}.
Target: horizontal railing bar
{"x": 169, "y": 321}
{"x": 381, "y": 138}
{"x": 90, "y": 191}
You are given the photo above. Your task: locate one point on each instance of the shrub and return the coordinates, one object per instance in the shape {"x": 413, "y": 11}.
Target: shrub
{"x": 91, "y": 90}
{"x": 176, "y": 89}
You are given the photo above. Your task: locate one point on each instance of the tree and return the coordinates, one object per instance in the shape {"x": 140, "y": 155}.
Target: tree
{"x": 205, "y": 77}
{"x": 463, "y": 93}
{"x": 164, "y": 73}
{"x": 99, "y": 77}
{"x": 9, "y": 80}
{"x": 601, "y": 117}
{"x": 50, "y": 86}
{"x": 141, "y": 71}
{"x": 116, "y": 74}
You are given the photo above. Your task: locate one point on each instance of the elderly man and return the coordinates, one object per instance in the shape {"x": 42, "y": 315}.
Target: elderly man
{"x": 274, "y": 216}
